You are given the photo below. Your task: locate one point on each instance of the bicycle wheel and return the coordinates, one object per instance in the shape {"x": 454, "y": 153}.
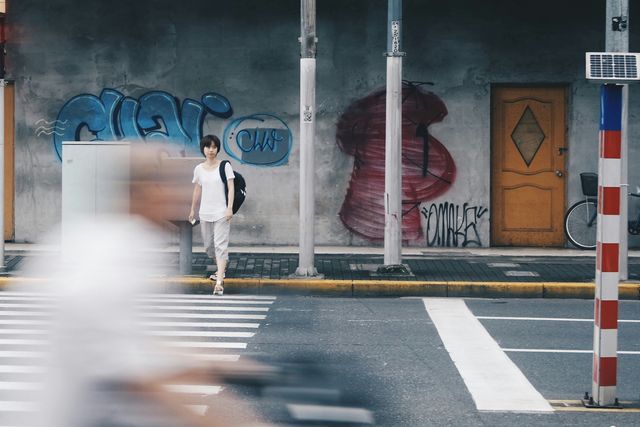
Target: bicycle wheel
{"x": 580, "y": 224}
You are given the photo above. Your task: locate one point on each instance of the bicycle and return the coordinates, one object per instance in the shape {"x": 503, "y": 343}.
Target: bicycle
{"x": 580, "y": 221}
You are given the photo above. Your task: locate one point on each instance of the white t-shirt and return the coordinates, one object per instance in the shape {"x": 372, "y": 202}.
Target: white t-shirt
{"x": 213, "y": 203}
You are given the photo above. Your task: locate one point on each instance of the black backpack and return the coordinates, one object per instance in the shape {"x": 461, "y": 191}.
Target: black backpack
{"x": 239, "y": 186}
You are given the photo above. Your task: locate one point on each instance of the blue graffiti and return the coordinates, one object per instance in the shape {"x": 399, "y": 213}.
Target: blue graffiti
{"x": 129, "y": 109}
{"x": 110, "y": 99}
{"x": 159, "y": 117}
{"x": 192, "y": 119}
{"x": 260, "y": 146}
{"x": 258, "y": 139}
{"x": 217, "y": 105}
{"x": 82, "y": 111}
{"x": 156, "y": 116}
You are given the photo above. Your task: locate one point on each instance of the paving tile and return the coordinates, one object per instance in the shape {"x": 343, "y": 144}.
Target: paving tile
{"x": 426, "y": 267}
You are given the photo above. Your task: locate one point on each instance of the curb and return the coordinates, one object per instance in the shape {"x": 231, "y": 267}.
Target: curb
{"x": 379, "y": 288}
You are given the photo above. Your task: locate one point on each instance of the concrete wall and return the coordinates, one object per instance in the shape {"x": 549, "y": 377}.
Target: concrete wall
{"x": 63, "y": 54}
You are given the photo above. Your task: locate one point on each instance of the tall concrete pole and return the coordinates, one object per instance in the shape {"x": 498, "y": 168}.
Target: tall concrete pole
{"x": 393, "y": 139}
{"x": 617, "y": 40}
{"x": 3, "y": 83}
{"x": 308, "y": 42}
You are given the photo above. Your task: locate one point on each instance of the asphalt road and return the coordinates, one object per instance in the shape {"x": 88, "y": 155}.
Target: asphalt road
{"x": 391, "y": 356}
{"x": 387, "y": 355}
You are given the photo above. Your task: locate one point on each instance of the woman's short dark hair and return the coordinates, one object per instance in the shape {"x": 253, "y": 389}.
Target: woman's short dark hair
{"x": 207, "y": 140}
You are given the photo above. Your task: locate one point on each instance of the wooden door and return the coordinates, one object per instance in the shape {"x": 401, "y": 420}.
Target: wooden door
{"x": 9, "y": 160}
{"x": 528, "y": 146}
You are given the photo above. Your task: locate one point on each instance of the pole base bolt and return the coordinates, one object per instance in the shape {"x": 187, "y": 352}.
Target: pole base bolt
{"x": 589, "y": 402}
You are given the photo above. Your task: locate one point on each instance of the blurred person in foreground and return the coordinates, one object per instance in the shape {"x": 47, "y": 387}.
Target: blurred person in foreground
{"x": 215, "y": 207}
{"x": 103, "y": 369}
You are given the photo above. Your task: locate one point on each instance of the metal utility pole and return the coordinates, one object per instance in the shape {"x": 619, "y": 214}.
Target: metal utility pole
{"x": 617, "y": 40}
{"x": 393, "y": 139}
{"x": 308, "y": 42}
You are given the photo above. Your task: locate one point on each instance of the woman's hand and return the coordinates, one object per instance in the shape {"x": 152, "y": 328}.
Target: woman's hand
{"x": 228, "y": 214}
{"x": 192, "y": 217}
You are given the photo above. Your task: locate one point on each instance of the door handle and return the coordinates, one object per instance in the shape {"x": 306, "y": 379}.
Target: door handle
{"x": 559, "y": 173}
{"x": 562, "y": 150}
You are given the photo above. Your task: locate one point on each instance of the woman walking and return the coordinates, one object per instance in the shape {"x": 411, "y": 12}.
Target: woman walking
{"x": 215, "y": 207}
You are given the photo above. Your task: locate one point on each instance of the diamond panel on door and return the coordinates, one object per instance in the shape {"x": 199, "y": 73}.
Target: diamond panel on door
{"x": 528, "y": 136}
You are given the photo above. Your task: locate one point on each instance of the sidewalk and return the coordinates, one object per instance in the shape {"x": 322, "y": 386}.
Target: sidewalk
{"x": 352, "y": 271}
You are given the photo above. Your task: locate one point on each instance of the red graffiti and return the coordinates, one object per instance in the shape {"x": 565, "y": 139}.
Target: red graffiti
{"x": 428, "y": 170}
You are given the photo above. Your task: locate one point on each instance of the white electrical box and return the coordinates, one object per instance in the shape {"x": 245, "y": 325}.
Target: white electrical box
{"x": 612, "y": 67}
{"x": 95, "y": 180}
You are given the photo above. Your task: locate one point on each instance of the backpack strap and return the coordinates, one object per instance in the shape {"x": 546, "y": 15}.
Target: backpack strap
{"x": 223, "y": 173}
{"x": 223, "y": 176}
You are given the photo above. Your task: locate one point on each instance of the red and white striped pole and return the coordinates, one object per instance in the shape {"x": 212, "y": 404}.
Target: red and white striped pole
{"x": 605, "y": 338}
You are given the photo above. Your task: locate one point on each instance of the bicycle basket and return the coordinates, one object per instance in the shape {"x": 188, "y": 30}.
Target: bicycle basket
{"x": 589, "y": 183}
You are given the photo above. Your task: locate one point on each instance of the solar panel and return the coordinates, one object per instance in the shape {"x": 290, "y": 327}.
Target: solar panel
{"x": 612, "y": 67}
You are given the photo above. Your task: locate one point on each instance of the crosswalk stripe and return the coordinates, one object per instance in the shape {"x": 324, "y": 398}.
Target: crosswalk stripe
{"x": 22, "y": 342}
{"x": 201, "y": 325}
{"x": 22, "y": 354}
{"x": 16, "y": 331}
{"x": 206, "y": 316}
{"x": 22, "y": 331}
{"x": 193, "y": 388}
{"x": 19, "y": 305}
{"x": 147, "y": 307}
{"x": 15, "y": 296}
{"x": 209, "y": 301}
{"x": 15, "y": 406}
{"x": 23, "y": 322}
{"x": 210, "y": 308}
{"x": 26, "y": 298}
{"x": 20, "y": 386}
{"x": 493, "y": 380}
{"x": 215, "y": 357}
{"x": 21, "y": 369}
{"x": 211, "y": 334}
{"x": 26, "y": 294}
{"x": 206, "y": 344}
{"x": 220, "y": 357}
{"x": 209, "y": 296}
{"x": 24, "y": 314}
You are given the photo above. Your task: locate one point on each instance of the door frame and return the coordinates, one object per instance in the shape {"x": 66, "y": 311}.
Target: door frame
{"x": 566, "y": 86}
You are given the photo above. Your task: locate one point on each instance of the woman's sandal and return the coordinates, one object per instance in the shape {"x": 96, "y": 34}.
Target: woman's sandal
{"x": 214, "y": 276}
{"x": 218, "y": 289}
